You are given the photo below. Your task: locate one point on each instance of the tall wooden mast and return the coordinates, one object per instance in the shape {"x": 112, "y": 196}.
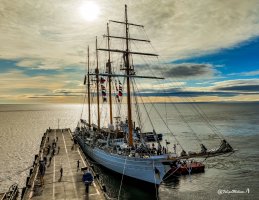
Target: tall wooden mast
{"x": 128, "y": 75}
{"x": 128, "y": 69}
{"x": 88, "y": 89}
{"x": 109, "y": 77}
{"x": 97, "y": 87}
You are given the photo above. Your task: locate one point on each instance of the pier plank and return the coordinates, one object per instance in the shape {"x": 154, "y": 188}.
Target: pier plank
{"x": 69, "y": 185}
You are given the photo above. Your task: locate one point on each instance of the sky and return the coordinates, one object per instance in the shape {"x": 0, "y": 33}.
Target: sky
{"x": 208, "y": 50}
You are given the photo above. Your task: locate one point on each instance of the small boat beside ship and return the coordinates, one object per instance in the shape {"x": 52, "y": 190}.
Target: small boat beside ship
{"x": 186, "y": 168}
{"x": 119, "y": 145}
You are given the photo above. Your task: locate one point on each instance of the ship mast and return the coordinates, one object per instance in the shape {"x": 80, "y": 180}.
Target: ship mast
{"x": 109, "y": 72}
{"x": 128, "y": 69}
{"x": 97, "y": 87}
{"x": 128, "y": 75}
{"x": 88, "y": 90}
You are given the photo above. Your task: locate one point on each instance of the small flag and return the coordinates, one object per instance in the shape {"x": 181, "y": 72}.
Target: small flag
{"x": 103, "y": 93}
{"x": 102, "y": 80}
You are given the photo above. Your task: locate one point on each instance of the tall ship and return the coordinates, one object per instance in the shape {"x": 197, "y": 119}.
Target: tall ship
{"x": 122, "y": 145}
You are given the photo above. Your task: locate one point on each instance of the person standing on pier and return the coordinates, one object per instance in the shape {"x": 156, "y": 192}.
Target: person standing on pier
{"x": 42, "y": 170}
{"x": 87, "y": 179}
{"x": 78, "y": 162}
{"x": 50, "y": 158}
{"x": 53, "y": 152}
{"x": 45, "y": 160}
{"x": 61, "y": 172}
{"x": 48, "y": 149}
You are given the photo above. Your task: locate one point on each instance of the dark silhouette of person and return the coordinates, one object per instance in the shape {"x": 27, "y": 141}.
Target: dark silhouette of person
{"x": 87, "y": 179}
{"x": 61, "y": 172}
{"x": 78, "y": 163}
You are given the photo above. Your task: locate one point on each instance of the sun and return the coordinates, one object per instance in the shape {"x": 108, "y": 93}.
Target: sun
{"x": 89, "y": 11}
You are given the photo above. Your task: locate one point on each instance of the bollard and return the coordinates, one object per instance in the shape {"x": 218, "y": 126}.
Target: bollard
{"x": 84, "y": 168}
{"x": 27, "y": 180}
{"x": 23, "y": 191}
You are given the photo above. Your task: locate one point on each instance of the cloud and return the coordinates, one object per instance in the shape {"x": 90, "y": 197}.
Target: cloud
{"x": 158, "y": 86}
{"x": 241, "y": 85}
{"x": 74, "y": 92}
{"x": 186, "y": 28}
{"x": 191, "y": 70}
{"x": 16, "y": 86}
{"x": 251, "y": 73}
{"x": 55, "y": 33}
{"x": 187, "y": 94}
{"x": 184, "y": 70}
{"x": 252, "y": 88}
{"x": 39, "y": 63}
{"x": 232, "y": 88}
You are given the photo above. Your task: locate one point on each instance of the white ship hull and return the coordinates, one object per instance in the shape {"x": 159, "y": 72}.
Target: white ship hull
{"x": 150, "y": 170}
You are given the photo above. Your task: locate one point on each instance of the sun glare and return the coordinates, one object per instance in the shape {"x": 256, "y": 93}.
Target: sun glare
{"x": 89, "y": 11}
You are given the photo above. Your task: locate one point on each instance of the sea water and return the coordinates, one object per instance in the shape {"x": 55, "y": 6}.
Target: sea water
{"x": 225, "y": 177}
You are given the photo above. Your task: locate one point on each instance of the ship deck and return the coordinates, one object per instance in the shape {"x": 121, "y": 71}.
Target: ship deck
{"x": 70, "y": 185}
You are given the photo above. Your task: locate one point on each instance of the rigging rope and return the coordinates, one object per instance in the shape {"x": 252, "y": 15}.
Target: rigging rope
{"x": 172, "y": 173}
{"x": 196, "y": 108}
{"x": 122, "y": 177}
{"x": 150, "y": 69}
{"x": 137, "y": 108}
{"x": 145, "y": 108}
{"x": 163, "y": 121}
{"x": 81, "y": 115}
{"x": 154, "y": 169}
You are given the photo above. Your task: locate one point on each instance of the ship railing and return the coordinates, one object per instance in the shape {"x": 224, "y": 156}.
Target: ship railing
{"x": 12, "y": 193}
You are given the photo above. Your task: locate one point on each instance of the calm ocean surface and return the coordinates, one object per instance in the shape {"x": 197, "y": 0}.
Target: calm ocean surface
{"x": 22, "y": 126}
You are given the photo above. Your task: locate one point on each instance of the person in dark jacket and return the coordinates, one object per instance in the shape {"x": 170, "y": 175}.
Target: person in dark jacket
{"x": 87, "y": 179}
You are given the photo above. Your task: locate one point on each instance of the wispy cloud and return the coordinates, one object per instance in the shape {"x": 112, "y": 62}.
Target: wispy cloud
{"x": 181, "y": 71}
{"x": 192, "y": 70}
{"x": 251, "y": 73}
{"x": 16, "y": 86}
{"x": 69, "y": 91}
{"x": 187, "y": 28}
{"x": 230, "y": 88}
{"x": 241, "y": 85}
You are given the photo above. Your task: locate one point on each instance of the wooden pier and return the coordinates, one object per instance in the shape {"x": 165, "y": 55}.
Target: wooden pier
{"x": 52, "y": 185}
